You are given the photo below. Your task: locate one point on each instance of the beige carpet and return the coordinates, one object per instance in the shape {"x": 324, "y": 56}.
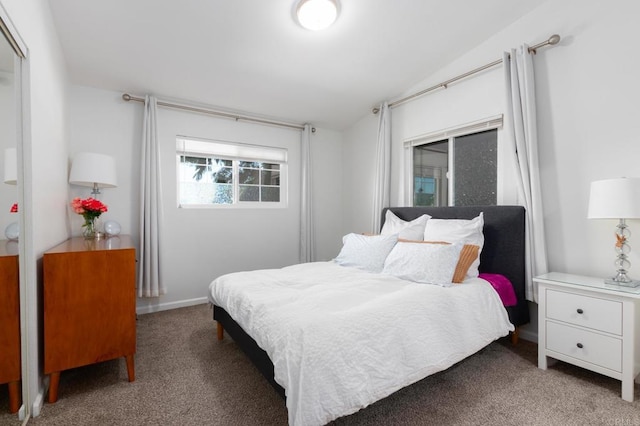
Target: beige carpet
{"x": 185, "y": 377}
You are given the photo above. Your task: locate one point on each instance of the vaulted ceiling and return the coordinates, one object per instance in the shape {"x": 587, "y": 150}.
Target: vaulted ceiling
{"x": 251, "y": 56}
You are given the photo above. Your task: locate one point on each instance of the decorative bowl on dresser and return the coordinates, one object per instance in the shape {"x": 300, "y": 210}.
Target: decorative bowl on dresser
{"x": 585, "y": 322}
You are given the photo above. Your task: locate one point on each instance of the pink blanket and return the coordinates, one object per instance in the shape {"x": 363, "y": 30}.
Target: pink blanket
{"x": 503, "y": 287}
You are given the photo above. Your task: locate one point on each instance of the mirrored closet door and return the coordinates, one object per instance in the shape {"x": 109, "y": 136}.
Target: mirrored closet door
{"x": 11, "y": 349}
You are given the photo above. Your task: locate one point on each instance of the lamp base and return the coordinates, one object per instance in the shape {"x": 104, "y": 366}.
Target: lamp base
{"x": 629, "y": 283}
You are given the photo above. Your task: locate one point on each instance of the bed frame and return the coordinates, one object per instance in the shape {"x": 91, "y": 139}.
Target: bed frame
{"x": 503, "y": 252}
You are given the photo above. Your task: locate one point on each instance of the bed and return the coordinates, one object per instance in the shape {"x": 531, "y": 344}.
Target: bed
{"x": 334, "y": 355}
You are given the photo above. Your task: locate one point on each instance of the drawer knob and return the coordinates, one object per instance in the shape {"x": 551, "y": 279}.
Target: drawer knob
{"x": 580, "y": 345}
{"x": 580, "y": 311}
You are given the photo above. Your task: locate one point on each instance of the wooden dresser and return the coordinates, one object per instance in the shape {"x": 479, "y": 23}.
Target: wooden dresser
{"x": 89, "y": 305}
{"x": 10, "y": 321}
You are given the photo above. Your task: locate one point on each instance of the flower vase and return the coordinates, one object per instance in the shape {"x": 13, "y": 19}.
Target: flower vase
{"x": 90, "y": 229}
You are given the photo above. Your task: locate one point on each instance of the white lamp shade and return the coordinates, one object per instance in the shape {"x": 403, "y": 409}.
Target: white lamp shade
{"x": 11, "y": 166}
{"x": 317, "y": 14}
{"x": 89, "y": 168}
{"x": 615, "y": 199}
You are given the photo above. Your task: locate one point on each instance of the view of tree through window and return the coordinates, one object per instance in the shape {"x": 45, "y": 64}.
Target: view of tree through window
{"x": 223, "y": 173}
{"x": 209, "y": 180}
{"x": 259, "y": 181}
{"x": 459, "y": 171}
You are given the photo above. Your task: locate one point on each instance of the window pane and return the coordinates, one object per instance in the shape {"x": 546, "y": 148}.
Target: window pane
{"x": 249, "y": 193}
{"x": 205, "y": 193}
{"x": 221, "y": 171}
{"x": 271, "y": 166}
{"x": 271, "y": 177}
{"x": 475, "y": 167}
{"x": 198, "y": 181}
{"x": 196, "y": 193}
{"x": 430, "y": 162}
{"x": 195, "y": 169}
{"x": 424, "y": 191}
{"x": 251, "y": 176}
{"x": 195, "y": 160}
{"x": 270, "y": 194}
{"x": 223, "y": 194}
{"x": 252, "y": 164}
{"x": 218, "y": 162}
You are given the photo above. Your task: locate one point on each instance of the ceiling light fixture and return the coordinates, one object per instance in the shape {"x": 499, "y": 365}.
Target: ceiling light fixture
{"x": 317, "y": 14}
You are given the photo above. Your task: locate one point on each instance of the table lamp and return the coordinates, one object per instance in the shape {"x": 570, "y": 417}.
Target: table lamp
{"x": 617, "y": 199}
{"x": 94, "y": 170}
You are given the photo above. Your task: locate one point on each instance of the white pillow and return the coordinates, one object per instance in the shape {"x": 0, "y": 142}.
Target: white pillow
{"x": 366, "y": 252}
{"x": 423, "y": 263}
{"x": 458, "y": 231}
{"x": 413, "y": 230}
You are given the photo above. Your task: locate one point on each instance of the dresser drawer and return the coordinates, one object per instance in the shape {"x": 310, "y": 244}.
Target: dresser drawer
{"x": 592, "y": 312}
{"x": 596, "y": 348}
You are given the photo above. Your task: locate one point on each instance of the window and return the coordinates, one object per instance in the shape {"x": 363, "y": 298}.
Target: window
{"x": 216, "y": 173}
{"x": 456, "y": 167}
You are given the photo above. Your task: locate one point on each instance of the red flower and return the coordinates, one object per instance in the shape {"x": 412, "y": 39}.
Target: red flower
{"x": 89, "y": 208}
{"x": 14, "y": 208}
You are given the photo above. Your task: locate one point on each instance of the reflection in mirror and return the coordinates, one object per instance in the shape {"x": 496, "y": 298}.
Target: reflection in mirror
{"x": 10, "y": 377}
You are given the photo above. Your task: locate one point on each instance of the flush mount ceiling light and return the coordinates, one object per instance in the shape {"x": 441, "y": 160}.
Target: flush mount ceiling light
{"x": 316, "y": 14}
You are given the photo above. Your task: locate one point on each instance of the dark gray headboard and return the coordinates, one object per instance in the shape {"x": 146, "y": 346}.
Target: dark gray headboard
{"x": 503, "y": 251}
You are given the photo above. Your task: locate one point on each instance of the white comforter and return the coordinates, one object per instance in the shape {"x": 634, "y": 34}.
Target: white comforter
{"x": 341, "y": 339}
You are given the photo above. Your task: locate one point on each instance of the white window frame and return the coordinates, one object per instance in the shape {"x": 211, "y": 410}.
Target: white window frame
{"x": 236, "y": 152}
{"x": 449, "y": 134}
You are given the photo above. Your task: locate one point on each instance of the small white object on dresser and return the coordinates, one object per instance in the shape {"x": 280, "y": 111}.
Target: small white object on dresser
{"x": 585, "y": 322}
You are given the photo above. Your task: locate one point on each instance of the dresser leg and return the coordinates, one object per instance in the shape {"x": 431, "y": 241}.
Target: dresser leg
{"x": 54, "y": 381}
{"x": 131, "y": 371}
{"x": 542, "y": 362}
{"x": 14, "y": 396}
{"x": 627, "y": 389}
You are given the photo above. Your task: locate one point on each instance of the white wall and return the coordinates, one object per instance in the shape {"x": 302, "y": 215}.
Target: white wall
{"x": 202, "y": 244}
{"x": 101, "y": 122}
{"x": 45, "y": 166}
{"x": 587, "y": 91}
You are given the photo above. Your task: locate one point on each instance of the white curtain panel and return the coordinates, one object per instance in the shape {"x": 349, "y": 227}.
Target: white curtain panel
{"x": 149, "y": 280}
{"x": 381, "y": 191}
{"x": 307, "y": 238}
{"x": 523, "y": 142}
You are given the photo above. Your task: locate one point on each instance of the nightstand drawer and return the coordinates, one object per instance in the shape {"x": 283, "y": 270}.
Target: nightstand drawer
{"x": 595, "y": 348}
{"x": 592, "y": 312}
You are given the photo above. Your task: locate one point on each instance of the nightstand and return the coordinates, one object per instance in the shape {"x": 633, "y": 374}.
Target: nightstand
{"x": 585, "y": 322}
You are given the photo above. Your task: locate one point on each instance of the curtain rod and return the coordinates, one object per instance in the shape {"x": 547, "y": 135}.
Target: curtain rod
{"x": 554, "y": 39}
{"x": 127, "y": 97}
{"x": 17, "y": 48}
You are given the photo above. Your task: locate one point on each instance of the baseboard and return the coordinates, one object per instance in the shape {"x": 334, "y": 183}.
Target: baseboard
{"x": 38, "y": 402}
{"x": 529, "y": 335}
{"x": 141, "y": 310}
